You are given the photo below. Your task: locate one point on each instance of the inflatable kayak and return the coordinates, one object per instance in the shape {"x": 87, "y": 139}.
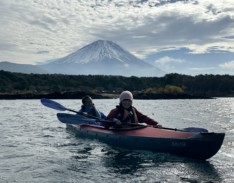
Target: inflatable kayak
{"x": 193, "y": 144}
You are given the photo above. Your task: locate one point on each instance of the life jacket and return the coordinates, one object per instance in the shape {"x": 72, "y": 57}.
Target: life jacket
{"x": 91, "y": 111}
{"x": 126, "y": 115}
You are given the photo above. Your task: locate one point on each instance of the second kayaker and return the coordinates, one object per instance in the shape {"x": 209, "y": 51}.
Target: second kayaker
{"x": 124, "y": 115}
{"x": 88, "y": 108}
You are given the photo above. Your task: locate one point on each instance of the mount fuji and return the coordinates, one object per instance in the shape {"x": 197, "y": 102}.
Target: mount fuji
{"x": 101, "y": 58}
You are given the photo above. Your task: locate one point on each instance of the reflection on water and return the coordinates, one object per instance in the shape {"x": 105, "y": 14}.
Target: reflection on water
{"x": 188, "y": 170}
{"x": 203, "y": 170}
{"x": 139, "y": 165}
{"x": 123, "y": 162}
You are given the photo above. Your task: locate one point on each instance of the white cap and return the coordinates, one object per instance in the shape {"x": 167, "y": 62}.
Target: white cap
{"x": 125, "y": 95}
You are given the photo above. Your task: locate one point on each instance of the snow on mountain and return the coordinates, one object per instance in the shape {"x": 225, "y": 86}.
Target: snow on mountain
{"x": 101, "y": 51}
{"x": 102, "y": 57}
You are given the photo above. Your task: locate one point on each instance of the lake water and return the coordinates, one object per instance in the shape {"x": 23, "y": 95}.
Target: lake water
{"x": 36, "y": 147}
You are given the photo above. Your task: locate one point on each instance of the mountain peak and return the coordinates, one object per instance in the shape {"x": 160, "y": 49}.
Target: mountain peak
{"x": 102, "y": 42}
{"x": 103, "y": 48}
{"x": 101, "y": 57}
{"x": 99, "y": 51}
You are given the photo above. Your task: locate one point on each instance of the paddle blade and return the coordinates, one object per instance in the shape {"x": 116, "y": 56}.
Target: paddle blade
{"x": 52, "y": 104}
{"x": 194, "y": 129}
{"x": 189, "y": 129}
{"x": 75, "y": 119}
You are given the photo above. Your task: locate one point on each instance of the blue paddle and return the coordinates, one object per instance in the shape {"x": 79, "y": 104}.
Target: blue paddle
{"x": 78, "y": 119}
{"x": 55, "y": 105}
{"x": 81, "y": 118}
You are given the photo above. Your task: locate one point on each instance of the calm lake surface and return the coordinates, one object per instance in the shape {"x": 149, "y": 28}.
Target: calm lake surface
{"x": 36, "y": 147}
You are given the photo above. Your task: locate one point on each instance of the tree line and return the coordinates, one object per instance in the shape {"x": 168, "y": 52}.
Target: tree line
{"x": 171, "y": 84}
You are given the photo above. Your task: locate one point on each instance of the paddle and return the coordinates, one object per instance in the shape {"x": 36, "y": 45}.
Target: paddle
{"x": 78, "y": 119}
{"x": 55, "y": 105}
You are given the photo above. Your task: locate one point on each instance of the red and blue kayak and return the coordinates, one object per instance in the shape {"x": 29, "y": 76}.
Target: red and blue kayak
{"x": 195, "y": 143}
{"x": 188, "y": 143}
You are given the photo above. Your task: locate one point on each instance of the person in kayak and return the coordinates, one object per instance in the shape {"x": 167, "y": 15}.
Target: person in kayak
{"x": 124, "y": 114}
{"x": 88, "y": 108}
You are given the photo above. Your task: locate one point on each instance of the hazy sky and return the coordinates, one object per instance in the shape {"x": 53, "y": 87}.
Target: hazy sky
{"x": 183, "y": 36}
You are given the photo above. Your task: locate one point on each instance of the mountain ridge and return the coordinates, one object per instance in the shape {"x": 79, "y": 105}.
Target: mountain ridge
{"x": 21, "y": 68}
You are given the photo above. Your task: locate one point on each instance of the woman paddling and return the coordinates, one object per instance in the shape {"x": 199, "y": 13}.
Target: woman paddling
{"x": 124, "y": 114}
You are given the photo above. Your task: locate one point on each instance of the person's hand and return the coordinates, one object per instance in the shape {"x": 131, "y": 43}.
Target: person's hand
{"x": 117, "y": 122}
{"x": 85, "y": 113}
{"x": 143, "y": 124}
{"x": 157, "y": 126}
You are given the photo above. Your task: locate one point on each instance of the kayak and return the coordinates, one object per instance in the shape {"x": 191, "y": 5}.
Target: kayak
{"x": 192, "y": 144}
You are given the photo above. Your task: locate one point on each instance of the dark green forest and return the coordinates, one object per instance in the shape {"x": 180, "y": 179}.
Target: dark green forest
{"x": 170, "y": 86}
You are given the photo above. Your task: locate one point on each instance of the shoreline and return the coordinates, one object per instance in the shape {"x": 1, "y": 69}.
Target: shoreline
{"x": 80, "y": 95}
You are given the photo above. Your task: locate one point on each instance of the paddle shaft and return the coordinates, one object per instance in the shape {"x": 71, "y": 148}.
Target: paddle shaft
{"x": 85, "y": 120}
{"x": 55, "y": 105}
{"x": 190, "y": 129}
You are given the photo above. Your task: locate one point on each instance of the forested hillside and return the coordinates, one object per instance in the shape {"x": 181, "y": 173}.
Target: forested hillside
{"x": 143, "y": 87}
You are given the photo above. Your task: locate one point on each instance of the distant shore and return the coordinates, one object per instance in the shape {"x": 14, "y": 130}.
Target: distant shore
{"x": 80, "y": 95}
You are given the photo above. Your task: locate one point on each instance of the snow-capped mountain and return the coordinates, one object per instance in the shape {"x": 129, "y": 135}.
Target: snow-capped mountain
{"x": 104, "y": 58}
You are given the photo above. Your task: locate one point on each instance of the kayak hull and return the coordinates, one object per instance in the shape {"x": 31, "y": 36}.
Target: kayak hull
{"x": 188, "y": 144}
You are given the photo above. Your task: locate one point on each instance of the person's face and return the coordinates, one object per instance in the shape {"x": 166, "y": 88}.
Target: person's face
{"x": 88, "y": 102}
{"x": 126, "y": 103}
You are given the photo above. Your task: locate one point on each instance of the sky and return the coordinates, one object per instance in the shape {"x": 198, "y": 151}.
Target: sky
{"x": 178, "y": 36}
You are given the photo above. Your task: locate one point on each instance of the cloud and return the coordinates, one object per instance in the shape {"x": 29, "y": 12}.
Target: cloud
{"x": 42, "y": 52}
{"x": 126, "y": 65}
{"x": 227, "y": 65}
{"x": 202, "y": 68}
{"x": 141, "y": 27}
{"x": 168, "y": 60}
{"x": 169, "y": 64}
